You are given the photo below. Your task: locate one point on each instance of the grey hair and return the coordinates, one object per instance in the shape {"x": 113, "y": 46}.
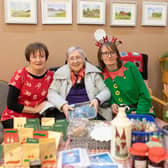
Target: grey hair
{"x": 75, "y": 48}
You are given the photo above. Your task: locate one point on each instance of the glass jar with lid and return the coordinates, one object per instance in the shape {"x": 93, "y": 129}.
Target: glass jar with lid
{"x": 157, "y": 157}
{"x": 139, "y": 155}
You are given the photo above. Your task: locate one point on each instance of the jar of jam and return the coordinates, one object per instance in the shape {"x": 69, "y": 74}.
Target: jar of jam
{"x": 157, "y": 157}
{"x": 139, "y": 155}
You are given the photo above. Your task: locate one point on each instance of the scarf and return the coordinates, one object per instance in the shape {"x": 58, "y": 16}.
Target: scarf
{"x": 77, "y": 78}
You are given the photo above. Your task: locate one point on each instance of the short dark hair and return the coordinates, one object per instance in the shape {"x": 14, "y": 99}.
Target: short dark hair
{"x": 110, "y": 46}
{"x": 34, "y": 47}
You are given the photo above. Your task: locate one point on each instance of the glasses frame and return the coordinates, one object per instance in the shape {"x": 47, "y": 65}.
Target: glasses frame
{"x": 106, "y": 53}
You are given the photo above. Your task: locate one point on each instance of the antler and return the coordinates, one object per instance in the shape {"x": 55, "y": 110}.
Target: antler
{"x": 105, "y": 40}
{"x": 98, "y": 44}
{"x": 114, "y": 39}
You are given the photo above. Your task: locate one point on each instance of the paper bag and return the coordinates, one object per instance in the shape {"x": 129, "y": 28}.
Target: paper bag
{"x": 57, "y": 136}
{"x": 10, "y": 136}
{"x": 47, "y": 151}
{"x": 25, "y": 133}
{"x": 40, "y": 134}
{"x": 30, "y": 152}
{"x": 12, "y": 155}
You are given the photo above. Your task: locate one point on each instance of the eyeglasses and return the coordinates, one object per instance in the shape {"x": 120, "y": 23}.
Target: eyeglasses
{"x": 72, "y": 59}
{"x": 106, "y": 54}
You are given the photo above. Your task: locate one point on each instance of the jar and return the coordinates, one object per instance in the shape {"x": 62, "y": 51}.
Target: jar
{"x": 152, "y": 164}
{"x": 165, "y": 136}
{"x": 157, "y": 157}
{"x": 139, "y": 155}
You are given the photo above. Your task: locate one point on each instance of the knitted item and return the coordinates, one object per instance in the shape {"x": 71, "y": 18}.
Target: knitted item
{"x": 133, "y": 57}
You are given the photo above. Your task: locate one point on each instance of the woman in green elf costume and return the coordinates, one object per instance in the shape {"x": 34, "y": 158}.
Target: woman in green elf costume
{"x": 123, "y": 79}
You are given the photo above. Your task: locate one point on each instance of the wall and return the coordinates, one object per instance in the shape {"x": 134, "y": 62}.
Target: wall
{"x": 15, "y": 37}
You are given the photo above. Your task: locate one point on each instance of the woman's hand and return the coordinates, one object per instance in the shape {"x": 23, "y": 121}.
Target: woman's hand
{"x": 39, "y": 107}
{"x": 34, "y": 110}
{"x": 114, "y": 108}
{"x": 94, "y": 103}
{"x": 65, "y": 108}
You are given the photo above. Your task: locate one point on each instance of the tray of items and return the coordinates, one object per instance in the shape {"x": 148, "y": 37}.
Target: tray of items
{"x": 143, "y": 127}
{"x": 89, "y": 134}
{"x": 82, "y": 110}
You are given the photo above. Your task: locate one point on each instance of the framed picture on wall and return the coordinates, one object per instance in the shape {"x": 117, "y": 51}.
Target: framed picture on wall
{"x": 91, "y": 11}
{"x": 21, "y": 11}
{"x": 56, "y": 11}
{"x": 154, "y": 13}
{"x": 123, "y": 13}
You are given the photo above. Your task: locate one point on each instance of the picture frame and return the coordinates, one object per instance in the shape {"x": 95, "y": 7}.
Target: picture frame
{"x": 91, "y": 11}
{"x": 56, "y": 11}
{"x": 20, "y": 12}
{"x": 123, "y": 13}
{"x": 154, "y": 14}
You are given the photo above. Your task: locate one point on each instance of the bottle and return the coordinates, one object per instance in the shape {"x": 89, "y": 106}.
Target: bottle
{"x": 121, "y": 135}
{"x": 157, "y": 157}
{"x": 139, "y": 153}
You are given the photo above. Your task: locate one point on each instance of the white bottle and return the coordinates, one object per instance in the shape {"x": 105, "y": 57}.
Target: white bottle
{"x": 121, "y": 135}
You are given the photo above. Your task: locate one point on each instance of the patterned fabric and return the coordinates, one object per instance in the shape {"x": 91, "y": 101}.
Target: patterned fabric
{"x": 133, "y": 57}
{"x": 75, "y": 79}
{"x": 33, "y": 91}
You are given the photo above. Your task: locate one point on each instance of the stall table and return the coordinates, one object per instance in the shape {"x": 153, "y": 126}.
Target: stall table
{"x": 125, "y": 163}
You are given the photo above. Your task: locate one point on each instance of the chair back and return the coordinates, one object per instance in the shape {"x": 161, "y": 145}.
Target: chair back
{"x": 164, "y": 69}
{"x": 3, "y": 95}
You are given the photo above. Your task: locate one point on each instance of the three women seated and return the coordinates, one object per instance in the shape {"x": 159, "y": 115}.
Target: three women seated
{"x": 75, "y": 82}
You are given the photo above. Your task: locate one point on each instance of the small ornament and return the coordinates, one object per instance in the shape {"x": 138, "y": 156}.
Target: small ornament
{"x": 101, "y": 37}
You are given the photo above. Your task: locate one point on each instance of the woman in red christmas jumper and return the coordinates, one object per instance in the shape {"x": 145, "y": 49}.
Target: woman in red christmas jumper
{"x": 28, "y": 87}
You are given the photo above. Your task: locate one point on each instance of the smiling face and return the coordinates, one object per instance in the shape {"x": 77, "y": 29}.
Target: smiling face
{"x": 109, "y": 57}
{"x": 37, "y": 61}
{"x": 76, "y": 61}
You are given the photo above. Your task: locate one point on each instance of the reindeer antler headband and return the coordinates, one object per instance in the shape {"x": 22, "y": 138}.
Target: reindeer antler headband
{"x": 101, "y": 38}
